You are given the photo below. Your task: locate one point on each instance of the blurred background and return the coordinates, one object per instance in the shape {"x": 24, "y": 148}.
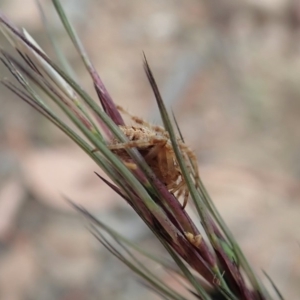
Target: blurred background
{"x": 229, "y": 69}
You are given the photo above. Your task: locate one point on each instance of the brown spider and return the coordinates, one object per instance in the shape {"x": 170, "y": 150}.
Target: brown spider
{"x": 153, "y": 142}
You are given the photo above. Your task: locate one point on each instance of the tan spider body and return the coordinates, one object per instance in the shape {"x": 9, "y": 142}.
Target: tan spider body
{"x": 154, "y": 144}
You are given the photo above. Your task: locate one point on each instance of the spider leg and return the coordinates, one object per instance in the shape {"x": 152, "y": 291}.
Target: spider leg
{"x": 140, "y": 121}
{"x": 182, "y": 189}
{"x": 156, "y": 150}
{"x": 186, "y": 198}
{"x": 179, "y": 191}
{"x": 176, "y": 187}
{"x": 173, "y": 187}
{"x": 189, "y": 155}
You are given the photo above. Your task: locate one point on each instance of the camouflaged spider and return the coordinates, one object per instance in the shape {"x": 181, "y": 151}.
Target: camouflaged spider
{"x": 154, "y": 144}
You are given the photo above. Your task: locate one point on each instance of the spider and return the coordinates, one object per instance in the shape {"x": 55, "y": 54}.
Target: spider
{"x": 154, "y": 144}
